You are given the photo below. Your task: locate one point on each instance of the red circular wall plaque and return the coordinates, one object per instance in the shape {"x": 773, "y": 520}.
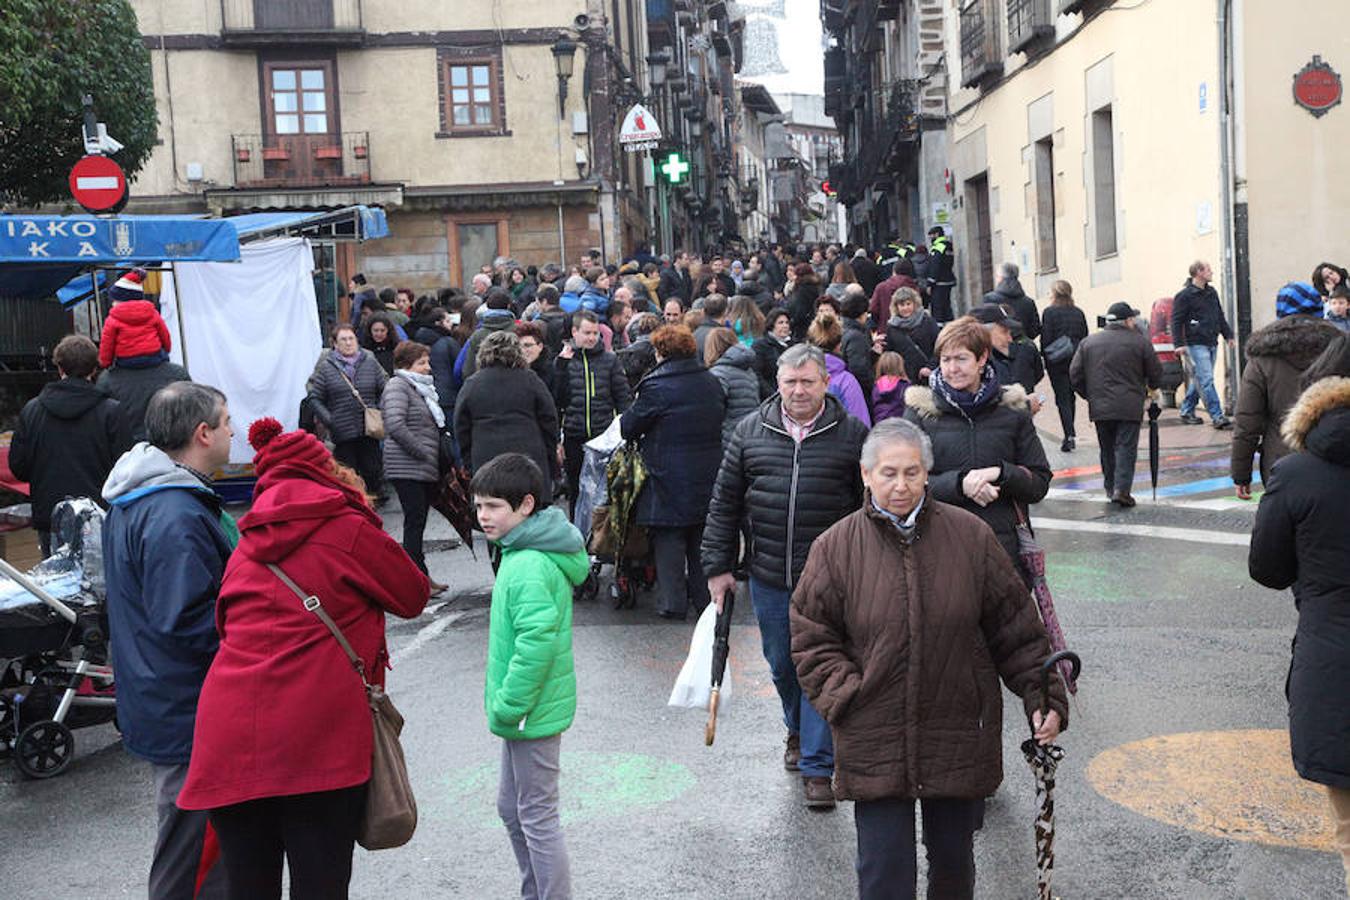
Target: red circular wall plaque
{"x": 1317, "y": 87}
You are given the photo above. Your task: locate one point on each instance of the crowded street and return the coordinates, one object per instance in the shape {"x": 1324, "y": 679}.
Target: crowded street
{"x": 1184, "y": 658}
{"x": 758, "y": 450}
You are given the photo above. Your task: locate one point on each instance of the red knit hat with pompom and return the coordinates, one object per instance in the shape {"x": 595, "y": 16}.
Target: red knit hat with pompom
{"x": 294, "y": 449}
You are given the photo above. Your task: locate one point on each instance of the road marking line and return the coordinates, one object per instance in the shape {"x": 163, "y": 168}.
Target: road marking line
{"x": 1213, "y": 504}
{"x": 1150, "y": 531}
{"x": 425, "y": 634}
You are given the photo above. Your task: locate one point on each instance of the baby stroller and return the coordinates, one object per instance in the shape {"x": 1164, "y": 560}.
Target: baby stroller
{"x": 633, "y": 570}
{"x": 54, "y": 675}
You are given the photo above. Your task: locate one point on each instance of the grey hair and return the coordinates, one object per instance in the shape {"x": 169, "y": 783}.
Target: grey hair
{"x": 501, "y": 348}
{"x": 799, "y": 355}
{"x": 1009, "y": 270}
{"x": 897, "y": 431}
{"x": 175, "y": 411}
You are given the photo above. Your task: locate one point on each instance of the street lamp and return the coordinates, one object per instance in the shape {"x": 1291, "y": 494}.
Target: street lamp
{"x": 656, "y": 67}
{"x": 564, "y": 51}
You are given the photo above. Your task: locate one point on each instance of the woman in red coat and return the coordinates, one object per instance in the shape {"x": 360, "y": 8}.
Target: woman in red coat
{"x": 283, "y": 739}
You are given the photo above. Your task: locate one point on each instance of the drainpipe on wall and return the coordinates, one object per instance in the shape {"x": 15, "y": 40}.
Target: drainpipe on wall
{"x": 1237, "y": 261}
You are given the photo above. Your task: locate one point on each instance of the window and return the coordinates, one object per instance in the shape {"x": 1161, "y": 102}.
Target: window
{"x": 471, "y": 93}
{"x": 1044, "y": 174}
{"x": 475, "y": 241}
{"x": 298, "y": 100}
{"x": 1104, "y": 181}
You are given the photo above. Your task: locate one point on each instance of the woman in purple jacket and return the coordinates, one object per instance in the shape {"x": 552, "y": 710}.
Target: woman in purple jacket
{"x": 827, "y": 333}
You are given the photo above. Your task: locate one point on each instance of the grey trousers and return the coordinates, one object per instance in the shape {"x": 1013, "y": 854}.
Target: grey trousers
{"x": 179, "y": 845}
{"x": 527, "y": 801}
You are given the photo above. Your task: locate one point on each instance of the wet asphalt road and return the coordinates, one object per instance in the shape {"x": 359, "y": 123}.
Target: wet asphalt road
{"x": 1174, "y": 638}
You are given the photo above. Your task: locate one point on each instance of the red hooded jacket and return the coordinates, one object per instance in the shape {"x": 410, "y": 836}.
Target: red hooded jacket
{"x": 133, "y": 328}
{"x": 281, "y": 711}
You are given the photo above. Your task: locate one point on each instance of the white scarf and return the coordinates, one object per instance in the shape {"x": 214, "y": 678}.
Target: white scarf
{"x": 426, "y": 386}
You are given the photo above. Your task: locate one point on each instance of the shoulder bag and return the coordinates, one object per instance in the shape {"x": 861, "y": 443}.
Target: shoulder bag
{"x": 1060, "y": 350}
{"x": 374, "y": 417}
{"x": 390, "y": 816}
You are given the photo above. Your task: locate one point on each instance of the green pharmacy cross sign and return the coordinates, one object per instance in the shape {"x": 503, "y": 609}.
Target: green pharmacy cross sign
{"x": 674, "y": 168}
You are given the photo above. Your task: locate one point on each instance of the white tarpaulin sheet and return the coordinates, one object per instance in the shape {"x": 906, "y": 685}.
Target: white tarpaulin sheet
{"x": 250, "y": 328}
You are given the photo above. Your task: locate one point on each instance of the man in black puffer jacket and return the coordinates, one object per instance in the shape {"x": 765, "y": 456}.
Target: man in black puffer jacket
{"x": 68, "y": 436}
{"x": 791, "y": 469}
{"x": 592, "y": 390}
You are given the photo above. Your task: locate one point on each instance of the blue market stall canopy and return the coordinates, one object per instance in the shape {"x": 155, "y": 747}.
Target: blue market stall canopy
{"x": 123, "y": 240}
{"x": 42, "y": 255}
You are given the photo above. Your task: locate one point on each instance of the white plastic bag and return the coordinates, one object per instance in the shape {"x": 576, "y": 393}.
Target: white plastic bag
{"x": 693, "y": 688}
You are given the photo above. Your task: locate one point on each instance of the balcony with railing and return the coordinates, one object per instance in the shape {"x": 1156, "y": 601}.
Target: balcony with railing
{"x": 1030, "y": 23}
{"x": 262, "y": 23}
{"x": 277, "y": 161}
{"x": 981, "y": 55}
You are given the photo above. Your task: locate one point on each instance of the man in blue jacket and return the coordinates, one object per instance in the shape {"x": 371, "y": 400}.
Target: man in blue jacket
{"x": 1197, "y": 323}
{"x": 165, "y": 544}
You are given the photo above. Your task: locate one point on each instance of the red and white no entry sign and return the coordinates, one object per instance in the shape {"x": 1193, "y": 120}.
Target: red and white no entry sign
{"x": 98, "y": 184}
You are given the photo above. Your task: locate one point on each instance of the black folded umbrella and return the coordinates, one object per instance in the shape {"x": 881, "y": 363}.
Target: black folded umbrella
{"x": 1153, "y": 412}
{"x": 721, "y": 648}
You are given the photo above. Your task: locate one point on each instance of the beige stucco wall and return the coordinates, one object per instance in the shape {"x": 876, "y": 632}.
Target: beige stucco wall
{"x": 1297, "y": 186}
{"x": 393, "y": 94}
{"x": 215, "y": 95}
{"x": 1150, "y": 63}
{"x": 433, "y": 15}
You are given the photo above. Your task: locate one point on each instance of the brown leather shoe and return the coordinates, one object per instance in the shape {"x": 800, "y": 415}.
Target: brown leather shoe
{"x": 792, "y": 755}
{"x": 1123, "y": 500}
{"x": 819, "y": 793}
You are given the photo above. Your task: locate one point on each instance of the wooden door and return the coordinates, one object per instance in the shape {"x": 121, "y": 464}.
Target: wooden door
{"x": 977, "y": 195}
{"x": 303, "y": 144}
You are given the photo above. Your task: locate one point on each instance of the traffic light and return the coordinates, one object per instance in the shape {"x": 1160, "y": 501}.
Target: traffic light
{"x": 673, "y": 167}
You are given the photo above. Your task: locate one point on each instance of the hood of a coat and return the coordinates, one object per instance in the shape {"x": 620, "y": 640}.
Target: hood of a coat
{"x": 737, "y": 355}
{"x": 1297, "y": 339}
{"x": 834, "y": 365}
{"x": 1317, "y": 422}
{"x": 549, "y": 532}
{"x": 285, "y": 516}
{"x": 497, "y": 323}
{"x": 1009, "y": 288}
{"x": 924, "y": 402}
{"x": 143, "y": 470}
{"x": 134, "y": 312}
{"x": 70, "y": 398}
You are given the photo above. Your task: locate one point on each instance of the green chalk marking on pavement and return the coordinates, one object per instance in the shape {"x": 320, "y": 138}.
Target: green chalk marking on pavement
{"x": 594, "y": 786}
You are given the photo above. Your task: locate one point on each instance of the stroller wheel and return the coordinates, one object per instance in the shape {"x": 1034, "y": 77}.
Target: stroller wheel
{"x": 44, "y": 749}
{"x": 588, "y": 589}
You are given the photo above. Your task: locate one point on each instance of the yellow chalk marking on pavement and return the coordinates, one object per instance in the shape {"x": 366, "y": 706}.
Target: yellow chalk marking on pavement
{"x": 1239, "y": 785}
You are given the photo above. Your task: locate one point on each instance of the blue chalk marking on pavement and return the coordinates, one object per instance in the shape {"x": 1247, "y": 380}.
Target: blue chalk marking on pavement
{"x": 1203, "y": 486}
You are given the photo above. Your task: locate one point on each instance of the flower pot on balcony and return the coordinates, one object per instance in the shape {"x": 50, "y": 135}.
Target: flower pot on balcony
{"x": 276, "y": 154}
{"x": 243, "y": 154}
{"x": 360, "y": 151}
{"x": 328, "y": 153}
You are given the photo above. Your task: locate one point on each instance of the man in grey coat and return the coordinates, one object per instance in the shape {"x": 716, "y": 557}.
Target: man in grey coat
{"x": 1114, "y": 370}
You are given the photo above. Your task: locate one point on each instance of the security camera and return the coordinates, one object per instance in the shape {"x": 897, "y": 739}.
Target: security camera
{"x": 582, "y": 22}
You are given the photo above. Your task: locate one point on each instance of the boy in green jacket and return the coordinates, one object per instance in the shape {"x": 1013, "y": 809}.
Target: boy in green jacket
{"x": 531, "y": 691}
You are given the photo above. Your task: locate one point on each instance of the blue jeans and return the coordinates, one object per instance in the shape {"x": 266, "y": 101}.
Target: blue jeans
{"x": 1202, "y": 380}
{"x": 771, "y": 610}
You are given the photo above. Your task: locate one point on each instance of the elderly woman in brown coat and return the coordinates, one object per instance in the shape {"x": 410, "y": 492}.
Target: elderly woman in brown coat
{"x": 907, "y": 614}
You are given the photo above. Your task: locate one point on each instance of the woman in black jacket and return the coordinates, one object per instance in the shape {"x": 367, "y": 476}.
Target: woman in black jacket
{"x": 777, "y": 338}
{"x": 801, "y": 301}
{"x": 1062, "y": 320}
{"x": 987, "y": 457}
{"x": 677, "y": 421}
{"x": 1299, "y": 541}
{"x": 504, "y": 407}
{"x": 379, "y": 338}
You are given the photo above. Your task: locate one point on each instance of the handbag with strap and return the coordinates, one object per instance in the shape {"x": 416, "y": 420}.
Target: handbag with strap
{"x": 390, "y": 816}
{"x": 1059, "y": 350}
{"x": 374, "y": 416}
